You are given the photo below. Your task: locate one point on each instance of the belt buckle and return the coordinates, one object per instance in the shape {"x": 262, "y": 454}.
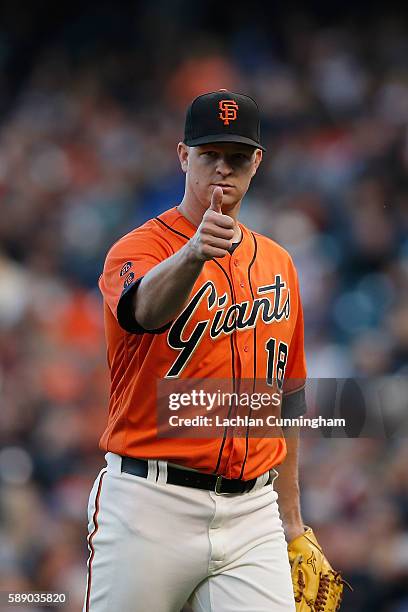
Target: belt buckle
{"x": 218, "y": 483}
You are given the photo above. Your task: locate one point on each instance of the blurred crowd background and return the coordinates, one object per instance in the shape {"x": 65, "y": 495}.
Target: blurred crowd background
{"x": 92, "y": 107}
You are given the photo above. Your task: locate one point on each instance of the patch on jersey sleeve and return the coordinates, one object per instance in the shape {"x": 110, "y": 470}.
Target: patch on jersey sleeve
{"x": 125, "y": 268}
{"x": 128, "y": 280}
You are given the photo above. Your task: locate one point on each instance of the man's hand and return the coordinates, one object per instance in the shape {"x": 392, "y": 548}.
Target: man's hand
{"x": 214, "y": 235}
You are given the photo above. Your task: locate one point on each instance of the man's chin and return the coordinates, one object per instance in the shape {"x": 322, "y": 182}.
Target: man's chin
{"x": 229, "y": 199}
{"x": 229, "y": 202}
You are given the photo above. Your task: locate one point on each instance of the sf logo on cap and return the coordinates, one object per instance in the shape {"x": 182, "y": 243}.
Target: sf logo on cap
{"x": 228, "y": 110}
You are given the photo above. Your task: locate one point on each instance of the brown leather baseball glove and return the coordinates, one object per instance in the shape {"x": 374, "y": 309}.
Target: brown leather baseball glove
{"x": 316, "y": 585}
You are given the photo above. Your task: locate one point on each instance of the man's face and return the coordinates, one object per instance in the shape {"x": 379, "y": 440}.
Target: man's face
{"x": 229, "y": 165}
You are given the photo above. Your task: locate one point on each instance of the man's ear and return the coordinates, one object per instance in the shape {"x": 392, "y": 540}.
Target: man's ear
{"x": 182, "y": 151}
{"x": 258, "y": 159}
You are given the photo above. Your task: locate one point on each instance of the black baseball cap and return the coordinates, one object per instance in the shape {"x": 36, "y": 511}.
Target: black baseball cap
{"x": 222, "y": 116}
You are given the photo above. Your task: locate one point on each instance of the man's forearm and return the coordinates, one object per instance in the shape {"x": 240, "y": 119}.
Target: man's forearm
{"x": 166, "y": 288}
{"x": 287, "y": 487}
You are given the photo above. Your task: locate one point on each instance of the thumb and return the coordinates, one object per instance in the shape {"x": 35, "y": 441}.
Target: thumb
{"x": 216, "y": 200}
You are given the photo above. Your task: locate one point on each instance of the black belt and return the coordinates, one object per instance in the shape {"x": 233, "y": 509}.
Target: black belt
{"x": 187, "y": 478}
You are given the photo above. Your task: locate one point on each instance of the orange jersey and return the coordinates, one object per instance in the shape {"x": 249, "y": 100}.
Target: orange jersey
{"x": 240, "y": 306}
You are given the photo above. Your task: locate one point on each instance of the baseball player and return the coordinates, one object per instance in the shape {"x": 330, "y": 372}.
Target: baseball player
{"x": 194, "y": 294}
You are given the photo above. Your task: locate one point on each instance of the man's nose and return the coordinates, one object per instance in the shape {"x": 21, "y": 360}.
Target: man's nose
{"x": 223, "y": 167}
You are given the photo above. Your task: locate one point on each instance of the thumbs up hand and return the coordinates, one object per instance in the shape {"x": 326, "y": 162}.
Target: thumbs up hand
{"x": 213, "y": 237}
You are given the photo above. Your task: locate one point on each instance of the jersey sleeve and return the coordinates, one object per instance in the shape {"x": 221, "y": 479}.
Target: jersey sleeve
{"x": 294, "y": 400}
{"x": 126, "y": 264}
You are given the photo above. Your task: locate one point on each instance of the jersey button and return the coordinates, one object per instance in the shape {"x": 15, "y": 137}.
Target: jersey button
{"x": 236, "y": 263}
{"x": 242, "y": 284}
{"x": 246, "y": 348}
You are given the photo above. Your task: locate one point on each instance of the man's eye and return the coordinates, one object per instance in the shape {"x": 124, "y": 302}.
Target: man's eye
{"x": 210, "y": 153}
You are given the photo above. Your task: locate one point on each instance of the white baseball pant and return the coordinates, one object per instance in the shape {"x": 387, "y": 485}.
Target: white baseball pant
{"x": 154, "y": 545}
